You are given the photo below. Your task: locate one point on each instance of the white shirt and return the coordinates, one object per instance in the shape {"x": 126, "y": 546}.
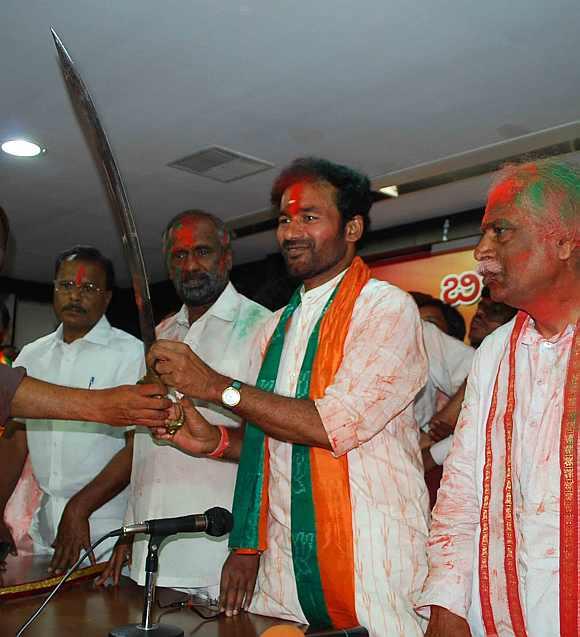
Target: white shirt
{"x": 453, "y": 583}
{"x": 167, "y": 482}
{"x": 449, "y": 364}
{"x": 66, "y": 455}
{"x": 367, "y": 412}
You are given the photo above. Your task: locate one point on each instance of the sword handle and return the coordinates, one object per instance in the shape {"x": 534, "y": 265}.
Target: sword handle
{"x": 151, "y": 377}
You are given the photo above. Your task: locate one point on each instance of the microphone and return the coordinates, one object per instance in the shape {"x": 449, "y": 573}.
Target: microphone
{"x": 215, "y": 521}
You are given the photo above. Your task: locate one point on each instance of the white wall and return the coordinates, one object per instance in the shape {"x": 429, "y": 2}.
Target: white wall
{"x": 33, "y": 320}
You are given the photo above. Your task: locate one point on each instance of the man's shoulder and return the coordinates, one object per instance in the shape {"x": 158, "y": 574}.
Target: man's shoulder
{"x": 253, "y": 309}
{"x": 497, "y": 339}
{"x": 166, "y": 323}
{"x": 38, "y": 345}
{"x": 377, "y": 293}
{"x": 251, "y": 316}
{"x": 490, "y": 351}
{"x": 123, "y": 341}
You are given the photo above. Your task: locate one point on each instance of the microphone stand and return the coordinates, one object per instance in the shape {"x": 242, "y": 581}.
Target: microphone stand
{"x": 147, "y": 628}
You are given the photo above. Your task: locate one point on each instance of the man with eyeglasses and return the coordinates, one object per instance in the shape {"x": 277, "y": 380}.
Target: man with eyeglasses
{"x": 82, "y": 468}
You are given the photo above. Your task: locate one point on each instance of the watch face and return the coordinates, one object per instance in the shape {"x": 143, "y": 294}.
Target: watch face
{"x": 230, "y": 396}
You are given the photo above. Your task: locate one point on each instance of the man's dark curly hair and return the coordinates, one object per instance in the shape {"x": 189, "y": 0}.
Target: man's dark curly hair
{"x": 90, "y": 255}
{"x": 353, "y": 196}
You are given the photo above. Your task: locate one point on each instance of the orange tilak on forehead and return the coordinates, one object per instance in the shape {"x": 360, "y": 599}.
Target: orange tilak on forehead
{"x": 295, "y": 198}
{"x": 81, "y": 272}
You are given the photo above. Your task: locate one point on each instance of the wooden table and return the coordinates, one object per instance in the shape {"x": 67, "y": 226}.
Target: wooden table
{"x": 85, "y": 611}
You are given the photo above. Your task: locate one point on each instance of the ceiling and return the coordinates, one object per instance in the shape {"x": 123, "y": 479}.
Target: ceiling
{"x": 382, "y": 86}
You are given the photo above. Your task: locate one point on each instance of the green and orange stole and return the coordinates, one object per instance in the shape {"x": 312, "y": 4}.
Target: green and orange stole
{"x": 321, "y": 514}
{"x": 501, "y": 424}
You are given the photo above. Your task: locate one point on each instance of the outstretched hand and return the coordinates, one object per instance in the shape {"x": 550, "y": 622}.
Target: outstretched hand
{"x": 132, "y": 405}
{"x": 197, "y": 436}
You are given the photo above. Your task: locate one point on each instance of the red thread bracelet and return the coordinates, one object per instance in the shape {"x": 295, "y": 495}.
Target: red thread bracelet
{"x": 223, "y": 444}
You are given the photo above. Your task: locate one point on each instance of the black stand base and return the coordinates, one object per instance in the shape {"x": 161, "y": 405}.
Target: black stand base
{"x": 157, "y": 630}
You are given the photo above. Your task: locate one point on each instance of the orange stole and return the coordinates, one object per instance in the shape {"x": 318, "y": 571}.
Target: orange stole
{"x": 330, "y": 479}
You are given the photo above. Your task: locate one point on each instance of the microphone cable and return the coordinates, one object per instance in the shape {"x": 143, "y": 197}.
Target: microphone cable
{"x": 63, "y": 580}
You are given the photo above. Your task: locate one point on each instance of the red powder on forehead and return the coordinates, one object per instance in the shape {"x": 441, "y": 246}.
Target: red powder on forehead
{"x": 81, "y": 272}
{"x": 184, "y": 235}
{"x": 295, "y": 198}
{"x": 503, "y": 194}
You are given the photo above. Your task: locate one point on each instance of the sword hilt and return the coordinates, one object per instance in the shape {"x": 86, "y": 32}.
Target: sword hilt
{"x": 151, "y": 377}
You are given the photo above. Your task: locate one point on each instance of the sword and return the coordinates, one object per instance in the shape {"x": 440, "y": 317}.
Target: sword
{"x": 103, "y": 155}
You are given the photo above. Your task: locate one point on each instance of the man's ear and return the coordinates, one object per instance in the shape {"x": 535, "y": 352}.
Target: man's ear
{"x": 354, "y": 229}
{"x": 565, "y": 247}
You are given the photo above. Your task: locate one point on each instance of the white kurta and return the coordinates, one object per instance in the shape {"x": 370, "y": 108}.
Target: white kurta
{"x": 167, "y": 482}
{"x": 66, "y": 455}
{"x": 453, "y": 545}
{"x": 450, "y": 361}
{"x": 368, "y": 414}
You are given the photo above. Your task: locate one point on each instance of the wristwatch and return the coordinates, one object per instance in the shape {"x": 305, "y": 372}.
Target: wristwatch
{"x": 231, "y": 394}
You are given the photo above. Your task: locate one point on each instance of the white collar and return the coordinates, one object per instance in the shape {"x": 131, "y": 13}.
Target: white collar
{"x": 224, "y": 307}
{"x": 319, "y": 292}
{"x": 100, "y": 333}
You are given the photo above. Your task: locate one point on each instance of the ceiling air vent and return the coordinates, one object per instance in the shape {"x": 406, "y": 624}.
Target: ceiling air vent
{"x": 221, "y": 164}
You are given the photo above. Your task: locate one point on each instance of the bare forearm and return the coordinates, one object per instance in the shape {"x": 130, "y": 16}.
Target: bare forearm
{"x": 37, "y": 399}
{"x": 105, "y": 486}
{"x": 286, "y": 419}
{"x": 118, "y": 406}
{"x": 450, "y": 412}
{"x": 13, "y": 452}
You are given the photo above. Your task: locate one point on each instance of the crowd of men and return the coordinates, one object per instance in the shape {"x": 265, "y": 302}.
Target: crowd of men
{"x": 316, "y": 423}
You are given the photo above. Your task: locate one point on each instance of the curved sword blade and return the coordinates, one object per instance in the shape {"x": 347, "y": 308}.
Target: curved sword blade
{"x": 116, "y": 189}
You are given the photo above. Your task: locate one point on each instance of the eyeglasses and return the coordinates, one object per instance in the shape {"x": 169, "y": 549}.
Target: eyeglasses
{"x": 87, "y": 288}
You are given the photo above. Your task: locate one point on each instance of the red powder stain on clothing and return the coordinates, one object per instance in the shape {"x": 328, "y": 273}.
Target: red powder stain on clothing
{"x": 183, "y": 236}
{"x": 295, "y": 198}
{"x": 81, "y": 272}
{"x": 444, "y": 540}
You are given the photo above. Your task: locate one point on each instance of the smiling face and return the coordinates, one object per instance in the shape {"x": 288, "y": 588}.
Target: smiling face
{"x": 197, "y": 261}
{"x": 517, "y": 253}
{"x": 80, "y": 310}
{"x": 314, "y": 243}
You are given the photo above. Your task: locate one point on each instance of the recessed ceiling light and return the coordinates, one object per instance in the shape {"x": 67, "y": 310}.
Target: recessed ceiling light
{"x": 21, "y": 148}
{"x": 391, "y": 191}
